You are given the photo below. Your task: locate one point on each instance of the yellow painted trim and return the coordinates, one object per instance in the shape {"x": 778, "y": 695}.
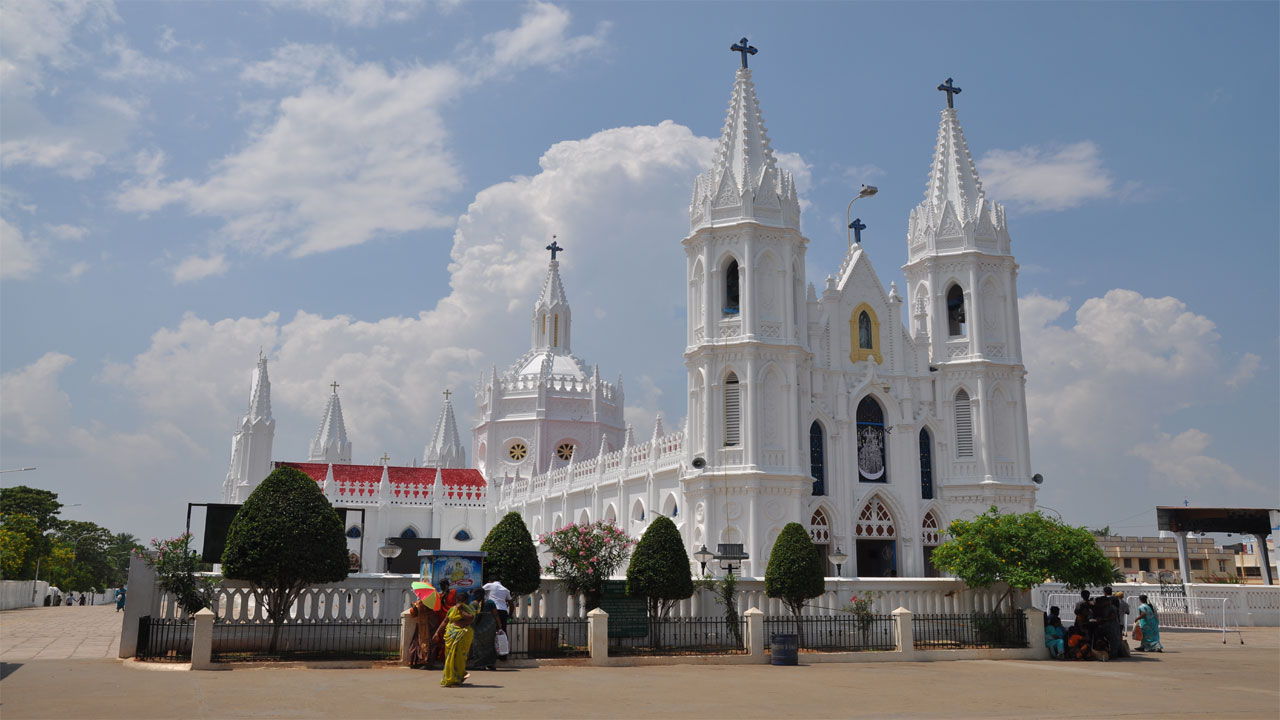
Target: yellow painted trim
{"x": 857, "y": 354}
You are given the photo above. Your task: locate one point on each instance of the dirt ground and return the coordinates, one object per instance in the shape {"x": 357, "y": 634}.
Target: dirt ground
{"x": 1196, "y": 676}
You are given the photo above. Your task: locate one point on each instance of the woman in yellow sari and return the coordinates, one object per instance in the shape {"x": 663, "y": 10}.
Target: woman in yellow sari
{"x": 456, "y": 633}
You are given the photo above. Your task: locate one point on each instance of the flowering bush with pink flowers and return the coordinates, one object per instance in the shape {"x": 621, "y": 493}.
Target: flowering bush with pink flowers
{"x": 584, "y": 556}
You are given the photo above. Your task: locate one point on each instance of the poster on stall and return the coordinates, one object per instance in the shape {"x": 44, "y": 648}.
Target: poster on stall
{"x": 463, "y": 573}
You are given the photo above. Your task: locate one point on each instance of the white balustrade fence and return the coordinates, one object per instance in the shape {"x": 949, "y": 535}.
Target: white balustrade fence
{"x": 1243, "y": 605}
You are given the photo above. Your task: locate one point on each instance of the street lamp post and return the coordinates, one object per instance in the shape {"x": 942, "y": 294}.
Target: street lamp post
{"x": 867, "y": 191}
{"x": 838, "y": 558}
{"x": 704, "y": 556}
{"x": 730, "y": 556}
{"x": 389, "y": 551}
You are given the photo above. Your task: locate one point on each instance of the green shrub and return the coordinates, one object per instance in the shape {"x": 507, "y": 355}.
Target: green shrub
{"x": 512, "y": 558}
{"x": 659, "y": 568}
{"x": 794, "y": 573}
{"x": 285, "y": 537}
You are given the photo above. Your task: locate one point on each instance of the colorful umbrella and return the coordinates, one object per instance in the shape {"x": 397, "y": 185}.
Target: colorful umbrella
{"x": 428, "y": 594}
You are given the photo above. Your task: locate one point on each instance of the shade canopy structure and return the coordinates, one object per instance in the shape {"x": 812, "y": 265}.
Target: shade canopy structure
{"x": 1242, "y": 521}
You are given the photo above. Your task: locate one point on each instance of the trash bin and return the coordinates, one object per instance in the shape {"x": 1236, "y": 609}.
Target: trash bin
{"x": 784, "y": 648}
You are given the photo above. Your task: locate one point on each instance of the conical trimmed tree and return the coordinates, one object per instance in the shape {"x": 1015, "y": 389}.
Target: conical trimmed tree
{"x": 512, "y": 558}
{"x": 660, "y": 569}
{"x": 285, "y": 537}
{"x": 794, "y": 574}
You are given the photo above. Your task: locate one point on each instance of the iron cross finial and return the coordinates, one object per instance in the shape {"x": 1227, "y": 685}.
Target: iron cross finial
{"x": 446, "y": 394}
{"x": 742, "y": 47}
{"x": 334, "y": 385}
{"x": 386, "y": 459}
{"x": 857, "y": 226}
{"x": 554, "y": 247}
{"x": 951, "y": 92}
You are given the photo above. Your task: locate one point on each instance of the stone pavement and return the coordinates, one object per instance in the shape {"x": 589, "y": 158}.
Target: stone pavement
{"x": 60, "y": 633}
{"x": 1197, "y": 676}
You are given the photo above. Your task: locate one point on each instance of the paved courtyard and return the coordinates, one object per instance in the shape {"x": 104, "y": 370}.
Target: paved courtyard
{"x": 58, "y": 663}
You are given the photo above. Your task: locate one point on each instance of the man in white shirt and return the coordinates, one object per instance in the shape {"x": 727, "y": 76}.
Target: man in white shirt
{"x": 500, "y": 596}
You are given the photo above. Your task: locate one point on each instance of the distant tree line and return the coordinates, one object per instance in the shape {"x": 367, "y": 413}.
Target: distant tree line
{"x": 73, "y": 555}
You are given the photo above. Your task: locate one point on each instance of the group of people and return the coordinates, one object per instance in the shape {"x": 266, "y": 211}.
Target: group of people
{"x": 467, "y": 632}
{"x": 1097, "y": 632}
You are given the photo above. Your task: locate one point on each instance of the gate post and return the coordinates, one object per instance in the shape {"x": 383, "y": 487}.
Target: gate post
{"x": 407, "y": 626}
{"x": 1035, "y": 633}
{"x": 755, "y": 633}
{"x": 143, "y": 599}
{"x": 202, "y": 641}
{"x": 904, "y": 634}
{"x": 598, "y": 636}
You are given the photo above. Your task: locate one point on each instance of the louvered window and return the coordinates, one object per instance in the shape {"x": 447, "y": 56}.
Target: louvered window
{"x": 964, "y": 425}
{"x": 732, "y": 411}
{"x": 926, "y": 465}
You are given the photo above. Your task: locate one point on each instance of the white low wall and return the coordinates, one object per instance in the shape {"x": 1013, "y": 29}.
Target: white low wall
{"x": 1247, "y": 605}
{"x": 16, "y": 594}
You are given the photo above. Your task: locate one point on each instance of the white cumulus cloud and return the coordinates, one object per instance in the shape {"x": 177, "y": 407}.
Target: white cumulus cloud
{"x": 197, "y": 268}
{"x": 18, "y": 257}
{"x": 1055, "y": 178}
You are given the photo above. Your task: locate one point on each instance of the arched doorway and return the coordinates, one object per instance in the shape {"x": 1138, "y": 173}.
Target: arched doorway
{"x": 876, "y": 541}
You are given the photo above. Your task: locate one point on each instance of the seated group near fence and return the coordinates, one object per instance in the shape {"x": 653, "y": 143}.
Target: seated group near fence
{"x": 1098, "y": 631}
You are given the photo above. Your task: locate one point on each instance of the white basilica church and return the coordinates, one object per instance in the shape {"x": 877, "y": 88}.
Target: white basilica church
{"x": 819, "y": 405}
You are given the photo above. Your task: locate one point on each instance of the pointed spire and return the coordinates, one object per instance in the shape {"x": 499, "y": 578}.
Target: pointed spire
{"x": 445, "y": 449}
{"x": 330, "y": 443}
{"x": 953, "y": 177}
{"x": 384, "y": 485}
{"x": 745, "y": 182}
{"x": 330, "y": 487}
{"x": 657, "y": 426}
{"x": 629, "y": 439}
{"x": 260, "y": 394}
{"x": 551, "y": 313}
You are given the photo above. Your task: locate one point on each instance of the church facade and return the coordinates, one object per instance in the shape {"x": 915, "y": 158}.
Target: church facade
{"x": 816, "y": 405}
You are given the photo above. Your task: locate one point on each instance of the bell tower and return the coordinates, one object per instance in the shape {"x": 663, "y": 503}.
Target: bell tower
{"x": 745, "y": 343}
{"x": 962, "y": 285}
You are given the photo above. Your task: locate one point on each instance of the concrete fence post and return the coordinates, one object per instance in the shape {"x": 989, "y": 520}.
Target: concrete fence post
{"x": 598, "y": 636}
{"x": 904, "y": 634}
{"x": 755, "y": 633}
{"x": 202, "y": 641}
{"x": 407, "y": 625}
{"x": 1035, "y": 633}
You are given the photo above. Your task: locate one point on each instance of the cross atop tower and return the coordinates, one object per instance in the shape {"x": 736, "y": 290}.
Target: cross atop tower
{"x": 554, "y": 247}
{"x": 334, "y": 385}
{"x": 386, "y": 459}
{"x": 857, "y": 226}
{"x": 742, "y": 47}
{"x": 446, "y": 394}
{"x": 950, "y": 90}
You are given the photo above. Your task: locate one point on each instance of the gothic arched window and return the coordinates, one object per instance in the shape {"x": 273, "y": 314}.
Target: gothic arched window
{"x": 964, "y": 425}
{"x": 731, "y": 294}
{"x": 409, "y": 533}
{"x": 926, "y": 465}
{"x": 871, "y": 441}
{"x": 864, "y": 334}
{"x": 354, "y": 532}
{"x": 955, "y": 311}
{"x": 864, "y": 331}
{"x": 817, "y": 458}
{"x": 462, "y": 535}
{"x": 732, "y": 411}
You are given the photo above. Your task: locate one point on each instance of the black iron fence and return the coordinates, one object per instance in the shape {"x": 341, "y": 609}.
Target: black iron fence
{"x": 548, "y": 637}
{"x": 834, "y": 633}
{"x": 161, "y": 640}
{"x": 686, "y": 636}
{"x": 977, "y": 630}
{"x": 306, "y": 641}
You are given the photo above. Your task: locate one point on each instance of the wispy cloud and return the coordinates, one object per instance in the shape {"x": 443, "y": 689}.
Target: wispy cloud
{"x": 357, "y": 13}
{"x": 1054, "y": 178}
{"x": 18, "y": 257}
{"x": 196, "y": 268}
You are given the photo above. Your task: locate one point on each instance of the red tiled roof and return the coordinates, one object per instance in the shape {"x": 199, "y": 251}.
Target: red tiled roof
{"x": 406, "y": 482}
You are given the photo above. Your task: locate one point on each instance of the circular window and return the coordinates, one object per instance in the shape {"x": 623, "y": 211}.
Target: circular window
{"x": 564, "y": 451}
{"x": 517, "y": 451}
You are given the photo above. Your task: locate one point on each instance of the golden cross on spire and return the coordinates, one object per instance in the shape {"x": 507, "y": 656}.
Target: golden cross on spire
{"x": 386, "y": 459}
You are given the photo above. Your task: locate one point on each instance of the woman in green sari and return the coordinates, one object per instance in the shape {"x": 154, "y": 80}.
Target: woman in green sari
{"x": 1149, "y": 622}
{"x": 456, "y": 634}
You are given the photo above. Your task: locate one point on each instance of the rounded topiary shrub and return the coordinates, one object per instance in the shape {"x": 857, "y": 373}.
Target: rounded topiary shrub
{"x": 795, "y": 571}
{"x": 512, "y": 558}
{"x": 659, "y": 569}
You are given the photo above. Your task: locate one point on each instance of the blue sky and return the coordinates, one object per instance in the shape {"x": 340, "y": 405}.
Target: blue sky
{"x": 364, "y": 189}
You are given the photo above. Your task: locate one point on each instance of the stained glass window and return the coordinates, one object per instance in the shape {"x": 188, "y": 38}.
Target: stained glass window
{"x": 731, "y": 295}
{"x": 354, "y": 532}
{"x": 409, "y": 533}
{"x": 871, "y": 441}
{"x": 462, "y": 535}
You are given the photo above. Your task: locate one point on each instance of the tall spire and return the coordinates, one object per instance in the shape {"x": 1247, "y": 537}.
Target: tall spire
{"x": 260, "y": 393}
{"x": 745, "y": 182}
{"x": 551, "y": 315}
{"x": 445, "y": 449}
{"x": 955, "y": 215}
{"x": 330, "y": 444}
{"x": 953, "y": 177}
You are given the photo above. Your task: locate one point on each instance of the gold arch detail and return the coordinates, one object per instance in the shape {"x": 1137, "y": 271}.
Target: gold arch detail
{"x": 856, "y": 353}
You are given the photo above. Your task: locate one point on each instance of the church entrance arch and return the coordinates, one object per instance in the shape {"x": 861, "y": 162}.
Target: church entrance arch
{"x": 875, "y": 541}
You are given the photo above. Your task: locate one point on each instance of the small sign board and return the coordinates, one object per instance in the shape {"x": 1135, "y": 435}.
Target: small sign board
{"x": 628, "y": 616}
